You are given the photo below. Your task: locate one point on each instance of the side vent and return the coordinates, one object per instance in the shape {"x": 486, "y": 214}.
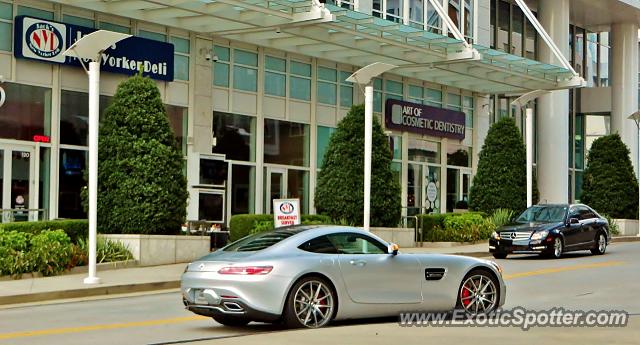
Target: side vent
{"x": 433, "y": 273}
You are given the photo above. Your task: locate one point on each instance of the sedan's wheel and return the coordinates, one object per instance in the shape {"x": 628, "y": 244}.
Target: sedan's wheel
{"x": 601, "y": 245}
{"x": 558, "y": 248}
{"x": 231, "y": 321}
{"x": 311, "y": 304}
{"x": 478, "y": 293}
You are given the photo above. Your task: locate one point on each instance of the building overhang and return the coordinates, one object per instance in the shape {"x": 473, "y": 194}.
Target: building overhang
{"x": 333, "y": 33}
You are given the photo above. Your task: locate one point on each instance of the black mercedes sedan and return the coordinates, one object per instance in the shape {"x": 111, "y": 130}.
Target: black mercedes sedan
{"x": 551, "y": 230}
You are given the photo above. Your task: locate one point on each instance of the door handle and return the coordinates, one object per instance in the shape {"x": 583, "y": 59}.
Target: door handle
{"x": 359, "y": 263}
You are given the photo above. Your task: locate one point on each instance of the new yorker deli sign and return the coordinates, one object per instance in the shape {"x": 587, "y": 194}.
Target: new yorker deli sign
{"x": 44, "y": 40}
{"x": 424, "y": 119}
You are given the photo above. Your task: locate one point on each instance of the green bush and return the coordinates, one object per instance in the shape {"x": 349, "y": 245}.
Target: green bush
{"x": 610, "y": 185}
{"x": 74, "y": 228}
{"x": 48, "y": 252}
{"x": 13, "y": 253}
{"x": 51, "y": 252}
{"x": 440, "y": 227}
{"x": 501, "y": 179}
{"x": 501, "y": 217}
{"x": 340, "y": 188}
{"x": 614, "y": 228}
{"x": 241, "y": 225}
{"x": 106, "y": 251}
{"x": 141, "y": 185}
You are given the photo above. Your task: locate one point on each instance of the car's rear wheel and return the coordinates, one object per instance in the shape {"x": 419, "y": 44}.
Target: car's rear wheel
{"x": 500, "y": 255}
{"x": 600, "y": 245}
{"x": 311, "y": 303}
{"x": 478, "y": 293}
{"x": 231, "y": 321}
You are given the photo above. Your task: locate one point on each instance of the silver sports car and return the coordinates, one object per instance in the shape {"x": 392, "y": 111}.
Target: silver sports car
{"x": 306, "y": 276}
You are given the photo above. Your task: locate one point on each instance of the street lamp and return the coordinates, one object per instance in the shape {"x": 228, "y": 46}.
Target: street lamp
{"x": 523, "y": 101}
{"x": 90, "y": 47}
{"x": 361, "y": 77}
{"x": 636, "y": 117}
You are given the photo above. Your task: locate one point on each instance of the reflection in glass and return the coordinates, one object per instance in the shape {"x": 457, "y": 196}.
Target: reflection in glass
{"x": 235, "y": 136}
{"x": 286, "y": 143}
{"x": 70, "y": 183}
{"x": 458, "y": 155}
{"x": 211, "y": 206}
{"x": 26, "y": 112}
{"x": 298, "y": 187}
{"x": 242, "y": 189}
{"x": 424, "y": 151}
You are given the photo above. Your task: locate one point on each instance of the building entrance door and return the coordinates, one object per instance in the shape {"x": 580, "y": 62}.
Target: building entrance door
{"x": 458, "y": 185}
{"x": 17, "y": 183}
{"x": 275, "y": 186}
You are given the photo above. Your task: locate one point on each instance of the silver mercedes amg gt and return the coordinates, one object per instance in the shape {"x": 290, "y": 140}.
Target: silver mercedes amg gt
{"x": 306, "y": 276}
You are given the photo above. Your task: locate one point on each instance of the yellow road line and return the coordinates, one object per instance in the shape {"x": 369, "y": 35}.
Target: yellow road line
{"x": 562, "y": 269}
{"x": 66, "y": 330}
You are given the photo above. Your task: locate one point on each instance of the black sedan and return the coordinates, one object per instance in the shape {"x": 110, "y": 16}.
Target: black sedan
{"x": 551, "y": 230}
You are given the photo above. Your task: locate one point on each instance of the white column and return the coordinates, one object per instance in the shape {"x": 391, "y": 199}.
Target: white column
{"x": 368, "y": 134}
{"x": 624, "y": 86}
{"x": 529, "y": 138}
{"x": 553, "y": 109}
{"x": 94, "y": 98}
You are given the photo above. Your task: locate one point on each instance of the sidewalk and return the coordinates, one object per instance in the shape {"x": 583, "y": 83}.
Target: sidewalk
{"x": 140, "y": 279}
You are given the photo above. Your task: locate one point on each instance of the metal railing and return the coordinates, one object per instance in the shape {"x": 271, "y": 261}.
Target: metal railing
{"x": 24, "y": 214}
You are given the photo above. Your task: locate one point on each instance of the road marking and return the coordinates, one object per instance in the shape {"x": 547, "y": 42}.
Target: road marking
{"x": 562, "y": 269}
{"x": 66, "y": 330}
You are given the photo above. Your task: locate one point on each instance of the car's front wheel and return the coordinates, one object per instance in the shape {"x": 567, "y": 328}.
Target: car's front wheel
{"x": 311, "y": 303}
{"x": 600, "y": 245}
{"x": 231, "y": 321}
{"x": 558, "y": 248}
{"x": 478, "y": 293}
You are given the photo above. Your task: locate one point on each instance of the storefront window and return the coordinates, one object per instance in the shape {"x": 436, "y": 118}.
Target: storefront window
{"x": 245, "y": 70}
{"x": 242, "y": 189}
{"x": 433, "y": 98}
{"x": 393, "y": 89}
{"x": 74, "y": 116}
{"x": 6, "y": 27}
{"x": 416, "y": 94}
{"x": 178, "y": 119}
{"x": 467, "y": 108}
{"x": 424, "y": 151}
{"x": 377, "y": 95}
{"x": 298, "y": 188}
{"x": 286, "y": 143}
{"x": 275, "y": 77}
{"x": 300, "y": 81}
{"x": 458, "y": 155}
{"x": 26, "y": 112}
{"x": 346, "y": 90}
{"x": 324, "y": 135}
{"x": 71, "y": 182}
{"x": 454, "y": 102}
{"x": 327, "y": 89}
{"x": 235, "y": 136}
{"x": 414, "y": 187}
{"x": 221, "y": 67}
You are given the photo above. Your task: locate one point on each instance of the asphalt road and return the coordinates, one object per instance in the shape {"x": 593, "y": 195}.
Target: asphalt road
{"x": 578, "y": 281}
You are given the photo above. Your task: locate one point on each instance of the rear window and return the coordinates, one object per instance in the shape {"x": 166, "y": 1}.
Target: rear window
{"x": 259, "y": 241}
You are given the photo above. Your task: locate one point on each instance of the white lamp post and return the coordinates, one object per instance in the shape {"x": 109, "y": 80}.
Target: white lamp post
{"x": 363, "y": 76}
{"x": 90, "y": 47}
{"x": 636, "y": 117}
{"x": 523, "y": 101}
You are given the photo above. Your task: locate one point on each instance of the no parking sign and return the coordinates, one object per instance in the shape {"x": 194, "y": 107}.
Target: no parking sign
{"x": 286, "y": 212}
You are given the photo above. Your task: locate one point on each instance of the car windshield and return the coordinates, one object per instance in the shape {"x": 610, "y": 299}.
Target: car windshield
{"x": 259, "y": 241}
{"x": 546, "y": 214}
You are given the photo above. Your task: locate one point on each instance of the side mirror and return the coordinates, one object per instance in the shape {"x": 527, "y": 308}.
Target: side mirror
{"x": 573, "y": 220}
{"x": 393, "y": 249}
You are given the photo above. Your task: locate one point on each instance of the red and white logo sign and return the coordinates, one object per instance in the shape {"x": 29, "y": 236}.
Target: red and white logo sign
{"x": 43, "y": 40}
{"x": 286, "y": 212}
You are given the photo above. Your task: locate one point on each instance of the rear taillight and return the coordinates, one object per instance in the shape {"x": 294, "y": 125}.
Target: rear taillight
{"x": 246, "y": 270}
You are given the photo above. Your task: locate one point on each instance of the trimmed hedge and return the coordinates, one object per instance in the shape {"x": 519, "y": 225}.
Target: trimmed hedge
{"x": 48, "y": 252}
{"x": 241, "y": 225}
{"x": 455, "y": 227}
{"x": 75, "y": 228}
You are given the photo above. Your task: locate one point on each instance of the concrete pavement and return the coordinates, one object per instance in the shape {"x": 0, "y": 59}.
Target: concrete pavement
{"x": 578, "y": 281}
{"x": 138, "y": 279}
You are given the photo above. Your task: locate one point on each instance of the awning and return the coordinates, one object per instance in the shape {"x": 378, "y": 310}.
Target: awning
{"x": 350, "y": 37}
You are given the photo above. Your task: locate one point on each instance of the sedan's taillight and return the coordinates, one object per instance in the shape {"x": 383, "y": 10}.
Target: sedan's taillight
{"x": 246, "y": 270}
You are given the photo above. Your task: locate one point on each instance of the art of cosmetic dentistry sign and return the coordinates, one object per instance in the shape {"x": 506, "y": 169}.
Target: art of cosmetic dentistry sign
{"x": 424, "y": 119}
{"x": 45, "y": 40}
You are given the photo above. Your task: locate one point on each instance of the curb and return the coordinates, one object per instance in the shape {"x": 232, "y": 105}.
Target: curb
{"x": 87, "y": 292}
{"x": 623, "y": 239}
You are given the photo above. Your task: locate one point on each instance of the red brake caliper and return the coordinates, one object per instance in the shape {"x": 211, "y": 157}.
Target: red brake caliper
{"x": 465, "y": 294}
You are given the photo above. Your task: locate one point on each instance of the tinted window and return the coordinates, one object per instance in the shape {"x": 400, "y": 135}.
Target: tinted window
{"x": 585, "y": 213}
{"x": 543, "y": 213}
{"x": 259, "y": 241}
{"x": 320, "y": 245}
{"x": 348, "y": 243}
